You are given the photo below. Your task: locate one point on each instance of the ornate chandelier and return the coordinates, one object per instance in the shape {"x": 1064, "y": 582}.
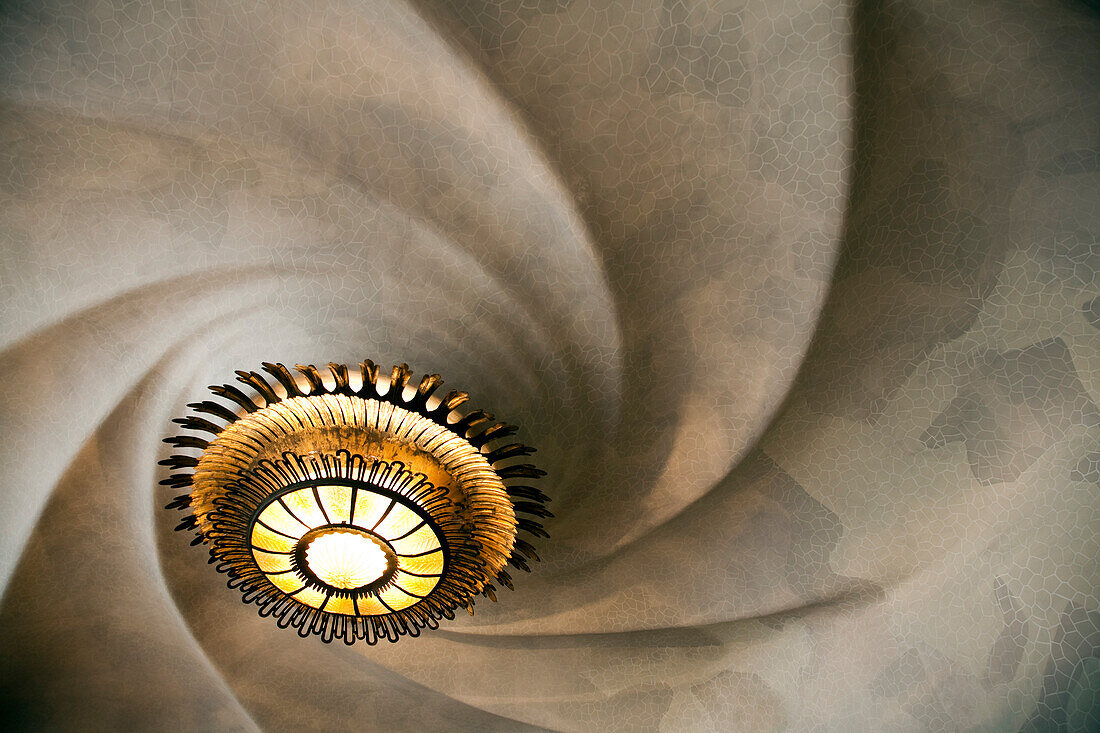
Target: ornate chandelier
{"x": 355, "y": 513}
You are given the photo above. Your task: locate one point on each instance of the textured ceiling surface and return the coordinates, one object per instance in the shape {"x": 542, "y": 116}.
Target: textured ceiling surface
{"x": 798, "y": 300}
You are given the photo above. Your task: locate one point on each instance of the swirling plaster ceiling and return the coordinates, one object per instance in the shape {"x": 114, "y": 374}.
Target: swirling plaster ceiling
{"x": 798, "y": 300}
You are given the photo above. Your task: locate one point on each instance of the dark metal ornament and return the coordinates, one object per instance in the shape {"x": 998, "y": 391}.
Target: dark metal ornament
{"x": 436, "y": 492}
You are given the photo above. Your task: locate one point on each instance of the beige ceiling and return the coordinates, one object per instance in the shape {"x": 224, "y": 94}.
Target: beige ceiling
{"x": 798, "y": 301}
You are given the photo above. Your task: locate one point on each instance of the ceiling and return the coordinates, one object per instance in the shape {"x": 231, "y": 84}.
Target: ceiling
{"x": 798, "y": 302}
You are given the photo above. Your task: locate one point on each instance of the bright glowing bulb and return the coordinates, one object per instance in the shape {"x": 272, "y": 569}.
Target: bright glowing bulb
{"x": 346, "y": 560}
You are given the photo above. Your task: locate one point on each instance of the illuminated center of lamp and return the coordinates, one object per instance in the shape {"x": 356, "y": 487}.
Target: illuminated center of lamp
{"x": 346, "y": 559}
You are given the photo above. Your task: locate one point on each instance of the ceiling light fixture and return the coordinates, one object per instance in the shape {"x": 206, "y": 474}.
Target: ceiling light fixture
{"x": 365, "y": 512}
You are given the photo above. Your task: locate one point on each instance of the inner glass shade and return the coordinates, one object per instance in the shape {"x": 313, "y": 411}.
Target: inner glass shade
{"x": 348, "y": 547}
{"x": 346, "y": 559}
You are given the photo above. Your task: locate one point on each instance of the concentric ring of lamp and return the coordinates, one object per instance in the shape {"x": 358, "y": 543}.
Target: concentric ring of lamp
{"x": 361, "y": 513}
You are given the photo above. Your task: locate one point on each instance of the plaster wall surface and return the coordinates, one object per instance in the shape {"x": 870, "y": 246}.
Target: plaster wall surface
{"x": 799, "y": 302}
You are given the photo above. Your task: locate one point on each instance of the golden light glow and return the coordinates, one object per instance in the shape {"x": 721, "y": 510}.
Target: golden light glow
{"x": 346, "y": 559}
{"x": 344, "y": 549}
{"x": 355, "y": 509}
{"x": 410, "y": 443}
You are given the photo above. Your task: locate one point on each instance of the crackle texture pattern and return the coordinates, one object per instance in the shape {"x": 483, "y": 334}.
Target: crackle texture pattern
{"x": 799, "y": 301}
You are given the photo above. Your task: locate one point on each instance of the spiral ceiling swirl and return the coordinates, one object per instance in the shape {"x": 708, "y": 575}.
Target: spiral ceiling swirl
{"x": 798, "y": 301}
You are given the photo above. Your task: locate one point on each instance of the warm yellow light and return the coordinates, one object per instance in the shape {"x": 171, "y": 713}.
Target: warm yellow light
{"x": 357, "y": 510}
{"x": 346, "y": 560}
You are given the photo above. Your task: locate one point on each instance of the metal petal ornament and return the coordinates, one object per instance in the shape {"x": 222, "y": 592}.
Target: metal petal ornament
{"x": 354, "y": 513}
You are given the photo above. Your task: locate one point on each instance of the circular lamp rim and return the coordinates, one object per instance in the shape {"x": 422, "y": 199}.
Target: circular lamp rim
{"x": 299, "y": 564}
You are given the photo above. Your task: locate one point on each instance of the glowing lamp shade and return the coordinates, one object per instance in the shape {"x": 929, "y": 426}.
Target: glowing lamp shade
{"x": 357, "y": 514}
{"x": 345, "y": 560}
